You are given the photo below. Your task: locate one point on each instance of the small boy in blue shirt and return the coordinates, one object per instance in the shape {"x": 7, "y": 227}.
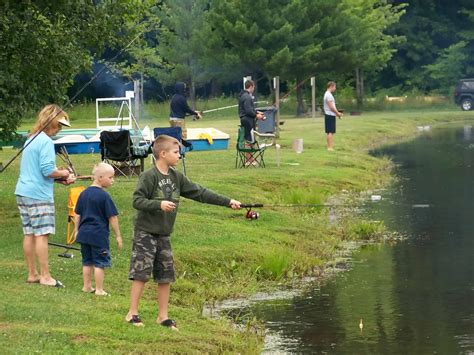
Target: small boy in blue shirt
{"x": 95, "y": 211}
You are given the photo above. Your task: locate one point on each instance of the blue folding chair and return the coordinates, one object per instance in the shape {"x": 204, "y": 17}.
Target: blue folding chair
{"x": 175, "y": 132}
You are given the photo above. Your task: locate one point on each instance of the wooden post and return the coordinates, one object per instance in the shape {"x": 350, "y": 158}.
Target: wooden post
{"x": 276, "y": 86}
{"x": 313, "y": 97}
{"x": 136, "y": 92}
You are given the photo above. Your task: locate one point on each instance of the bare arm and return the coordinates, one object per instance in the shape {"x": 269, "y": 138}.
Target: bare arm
{"x": 77, "y": 220}
{"x": 59, "y": 174}
{"x": 334, "y": 109}
{"x": 115, "y": 226}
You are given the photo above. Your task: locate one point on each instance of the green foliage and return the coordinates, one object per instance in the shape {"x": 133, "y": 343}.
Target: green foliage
{"x": 275, "y": 264}
{"x": 435, "y": 32}
{"x": 44, "y": 45}
{"x": 365, "y": 230}
{"x": 449, "y": 67}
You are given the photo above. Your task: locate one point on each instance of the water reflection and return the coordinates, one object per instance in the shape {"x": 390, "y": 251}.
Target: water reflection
{"x": 415, "y": 296}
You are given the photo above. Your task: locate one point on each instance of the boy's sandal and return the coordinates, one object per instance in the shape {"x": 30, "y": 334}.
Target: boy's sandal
{"x": 136, "y": 321}
{"x": 169, "y": 323}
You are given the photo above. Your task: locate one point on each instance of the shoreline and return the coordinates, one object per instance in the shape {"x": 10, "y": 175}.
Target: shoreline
{"x": 218, "y": 253}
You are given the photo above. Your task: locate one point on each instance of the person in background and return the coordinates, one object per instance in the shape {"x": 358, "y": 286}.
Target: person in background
{"x": 34, "y": 192}
{"x": 248, "y": 115}
{"x": 179, "y": 108}
{"x": 330, "y": 114}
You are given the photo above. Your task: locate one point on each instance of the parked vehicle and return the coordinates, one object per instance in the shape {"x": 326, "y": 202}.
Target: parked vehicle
{"x": 464, "y": 94}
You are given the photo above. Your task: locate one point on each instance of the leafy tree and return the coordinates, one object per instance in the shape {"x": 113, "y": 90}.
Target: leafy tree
{"x": 181, "y": 43}
{"x": 431, "y": 29}
{"x": 455, "y": 61}
{"x": 253, "y": 34}
{"x": 44, "y": 44}
{"x": 303, "y": 46}
{"x": 354, "y": 38}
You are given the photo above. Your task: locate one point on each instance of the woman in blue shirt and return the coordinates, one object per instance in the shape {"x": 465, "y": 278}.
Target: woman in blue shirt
{"x": 34, "y": 192}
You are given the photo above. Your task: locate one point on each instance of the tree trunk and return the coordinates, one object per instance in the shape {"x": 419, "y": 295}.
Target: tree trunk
{"x": 359, "y": 75}
{"x": 216, "y": 88}
{"x": 192, "y": 94}
{"x": 300, "y": 107}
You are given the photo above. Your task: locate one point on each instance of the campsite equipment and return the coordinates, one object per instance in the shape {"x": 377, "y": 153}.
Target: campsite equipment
{"x": 74, "y": 193}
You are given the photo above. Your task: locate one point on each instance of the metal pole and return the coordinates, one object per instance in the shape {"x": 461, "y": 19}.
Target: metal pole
{"x": 313, "y": 97}
{"x": 276, "y": 86}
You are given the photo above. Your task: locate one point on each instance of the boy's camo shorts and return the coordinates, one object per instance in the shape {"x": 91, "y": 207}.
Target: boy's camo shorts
{"x": 151, "y": 254}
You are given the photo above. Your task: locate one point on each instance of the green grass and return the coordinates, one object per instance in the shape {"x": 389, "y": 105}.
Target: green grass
{"x": 218, "y": 253}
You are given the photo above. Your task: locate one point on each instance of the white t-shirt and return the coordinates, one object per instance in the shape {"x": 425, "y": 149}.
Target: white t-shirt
{"x": 328, "y": 98}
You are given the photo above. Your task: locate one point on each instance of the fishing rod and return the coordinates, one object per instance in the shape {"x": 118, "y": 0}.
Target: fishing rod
{"x": 65, "y": 254}
{"x": 68, "y": 103}
{"x": 227, "y": 107}
{"x": 255, "y": 215}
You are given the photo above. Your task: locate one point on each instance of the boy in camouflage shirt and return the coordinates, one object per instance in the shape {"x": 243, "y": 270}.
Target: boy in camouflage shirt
{"x": 156, "y": 200}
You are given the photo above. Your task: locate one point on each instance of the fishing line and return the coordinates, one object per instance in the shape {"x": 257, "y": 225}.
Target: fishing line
{"x": 303, "y": 205}
{"x": 68, "y": 103}
{"x": 255, "y": 215}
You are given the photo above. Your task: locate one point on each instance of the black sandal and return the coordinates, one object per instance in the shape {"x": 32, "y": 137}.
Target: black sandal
{"x": 169, "y": 323}
{"x": 136, "y": 321}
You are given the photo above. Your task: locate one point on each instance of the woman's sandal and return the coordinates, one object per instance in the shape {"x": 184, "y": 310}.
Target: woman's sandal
{"x": 136, "y": 321}
{"x": 169, "y": 323}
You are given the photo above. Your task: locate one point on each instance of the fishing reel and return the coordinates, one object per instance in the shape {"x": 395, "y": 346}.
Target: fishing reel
{"x": 251, "y": 214}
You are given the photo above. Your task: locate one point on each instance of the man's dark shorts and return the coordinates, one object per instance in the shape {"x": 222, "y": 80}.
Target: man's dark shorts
{"x": 95, "y": 256}
{"x": 151, "y": 254}
{"x": 248, "y": 124}
{"x": 330, "y": 123}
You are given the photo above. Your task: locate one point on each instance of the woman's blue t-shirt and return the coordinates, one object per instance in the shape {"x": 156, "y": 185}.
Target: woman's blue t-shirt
{"x": 95, "y": 207}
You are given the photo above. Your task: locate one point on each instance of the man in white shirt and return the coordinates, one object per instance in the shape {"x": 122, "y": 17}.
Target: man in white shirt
{"x": 330, "y": 114}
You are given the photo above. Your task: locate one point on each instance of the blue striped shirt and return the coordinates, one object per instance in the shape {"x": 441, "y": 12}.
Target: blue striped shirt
{"x": 37, "y": 163}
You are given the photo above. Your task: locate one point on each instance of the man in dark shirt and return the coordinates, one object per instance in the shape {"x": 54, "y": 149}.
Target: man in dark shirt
{"x": 179, "y": 108}
{"x": 248, "y": 114}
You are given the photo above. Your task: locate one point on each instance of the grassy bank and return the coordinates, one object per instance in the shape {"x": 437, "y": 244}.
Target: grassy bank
{"x": 218, "y": 253}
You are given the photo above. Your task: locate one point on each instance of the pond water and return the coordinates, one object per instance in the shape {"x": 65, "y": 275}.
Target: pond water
{"x": 410, "y": 297}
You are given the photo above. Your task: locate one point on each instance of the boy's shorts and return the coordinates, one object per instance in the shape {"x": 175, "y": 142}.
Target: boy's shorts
{"x": 95, "y": 256}
{"x": 37, "y": 217}
{"x": 330, "y": 123}
{"x": 151, "y": 254}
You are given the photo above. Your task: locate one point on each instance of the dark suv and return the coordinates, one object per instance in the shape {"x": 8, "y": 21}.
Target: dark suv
{"x": 464, "y": 94}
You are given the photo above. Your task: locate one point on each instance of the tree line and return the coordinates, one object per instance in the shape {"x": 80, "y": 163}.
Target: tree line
{"x": 366, "y": 44}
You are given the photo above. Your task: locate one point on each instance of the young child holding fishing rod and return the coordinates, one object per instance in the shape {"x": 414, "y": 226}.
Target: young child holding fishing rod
{"x": 156, "y": 199}
{"x": 94, "y": 212}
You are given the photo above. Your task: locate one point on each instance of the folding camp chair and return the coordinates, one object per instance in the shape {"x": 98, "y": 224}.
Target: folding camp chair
{"x": 251, "y": 154}
{"x": 175, "y": 132}
{"x": 117, "y": 149}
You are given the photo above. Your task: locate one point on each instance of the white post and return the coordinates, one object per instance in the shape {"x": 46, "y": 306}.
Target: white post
{"x": 276, "y": 86}
{"x": 245, "y": 78}
{"x": 313, "y": 97}
{"x": 136, "y": 90}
